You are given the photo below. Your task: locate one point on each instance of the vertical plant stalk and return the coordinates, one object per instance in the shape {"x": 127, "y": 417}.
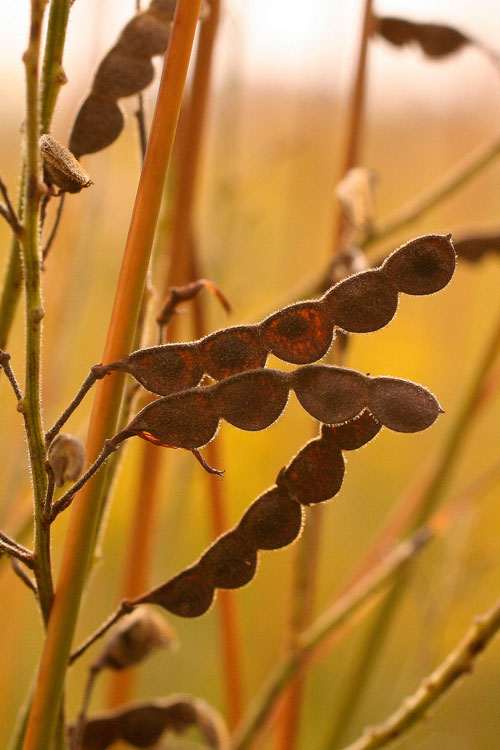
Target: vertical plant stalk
{"x": 81, "y": 534}
{"x": 30, "y": 405}
{"x": 53, "y": 77}
{"x": 354, "y": 117}
{"x": 441, "y": 472}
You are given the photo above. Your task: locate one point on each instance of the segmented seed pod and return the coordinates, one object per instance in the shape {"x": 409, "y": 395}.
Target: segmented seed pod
{"x": 252, "y": 400}
{"x": 353, "y": 434}
{"x": 163, "y": 369}
{"x": 230, "y": 562}
{"x": 231, "y": 351}
{"x": 182, "y": 420}
{"x": 272, "y": 521}
{"x": 364, "y": 302}
{"x": 330, "y": 394}
{"x": 315, "y": 474}
{"x": 135, "y": 637}
{"x": 300, "y": 333}
{"x": 423, "y": 266}
{"x": 401, "y": 405}
{"x": 189, "y": 594}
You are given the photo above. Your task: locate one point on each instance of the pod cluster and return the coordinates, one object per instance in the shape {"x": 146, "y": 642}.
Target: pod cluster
{"x": 125, "y": 70}
{"x": 273, "y": 520}
{"x": 142, "y": 724}
{"x": 303, "y": 332}
{"x": 254, "y": 400}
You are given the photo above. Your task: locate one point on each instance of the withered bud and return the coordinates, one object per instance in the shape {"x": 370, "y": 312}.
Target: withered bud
{"x": 356, "y": 195}
{"x": 136, "y": 636}
{"x": 66, "y": 457}
{"x": 61, "y": 168}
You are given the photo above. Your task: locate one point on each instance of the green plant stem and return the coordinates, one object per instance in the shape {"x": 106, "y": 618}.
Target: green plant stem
{"x": 334, "y": 618}
{"x": 459, "y": 663}
{"x": 81, "y": 536}
{"x": 30, "y": 405}
{"x": 456, "y": 178}
{"x": 373, "y": 644}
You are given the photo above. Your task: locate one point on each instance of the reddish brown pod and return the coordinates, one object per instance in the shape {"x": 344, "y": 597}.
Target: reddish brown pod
{"x": 315, "y": 474}
{"x": 330, "y": 394}
{"x": 163, "y": 369}
{"x": 423, "y": 266}
{"x": 353, "y": 434}
{"x": 230, "y": 562}
{"x": 272, "y": 521}
{"x": 189, "y": 594}
{"x": 300, "y": 333}
{"x": 363, "y": 303}
{"x": 232, "y": 350}
{"x": 252, "y": 400}
{"x": 182, "y": 420}
{"x": 401, "y": 405}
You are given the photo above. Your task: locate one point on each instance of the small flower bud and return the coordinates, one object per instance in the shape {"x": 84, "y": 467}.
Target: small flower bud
{"x": 61, "y": 168}
{"x": 66, "y": 457}
{"x": 135, "y": 637}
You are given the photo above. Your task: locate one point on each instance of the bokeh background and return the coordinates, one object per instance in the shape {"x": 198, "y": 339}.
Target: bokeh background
{"x": 264, "y": 221}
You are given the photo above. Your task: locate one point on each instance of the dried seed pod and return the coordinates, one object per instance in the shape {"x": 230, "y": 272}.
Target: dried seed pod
{"x": 423, "y": 266}
{"x": 182, "y": 420}
{"x": 330, "y": 394}
{"x": 231, "y": 351}
{"x": 189, "y": 594}
{"x": 353, "y": 434}
{"x": 230, "y": 562}
{"x": 401, "y": 405}
{"x": 142, "y": 724}
{"x": 364, "y": 302}
{"x": 136, "y": 636}
{"x": 435, "y": 40}
{"x": 61, "y": 168}
{"x": 315, "y": 474}
{"x": 98, "y": 124}
{"x": 117, "y": 78}
{"x": 473, "y": 249}
{"x": 252, "y": 400}
{"x": 300, "y": 333}
{"x": 66, "y": 458}
{"x": 163, "y": 369}
{"x": 272, "y": 521}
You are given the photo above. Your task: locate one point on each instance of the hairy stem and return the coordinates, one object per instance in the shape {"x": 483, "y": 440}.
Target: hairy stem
{"x": 82, "y": 531}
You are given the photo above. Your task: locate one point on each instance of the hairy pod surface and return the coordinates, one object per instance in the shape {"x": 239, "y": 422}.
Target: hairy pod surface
{"x": 303, "y": 332}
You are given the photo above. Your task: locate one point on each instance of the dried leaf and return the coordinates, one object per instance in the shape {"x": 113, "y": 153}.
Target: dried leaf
{"x": 435, "y": 40}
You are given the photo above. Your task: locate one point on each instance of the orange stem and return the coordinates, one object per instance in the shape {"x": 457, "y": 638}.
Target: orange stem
{"x": 82, "y": 529}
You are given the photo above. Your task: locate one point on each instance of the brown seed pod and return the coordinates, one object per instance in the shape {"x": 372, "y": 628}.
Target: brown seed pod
{"x": 330, "y": 394}
{"x": 300, "y": 333}
{"x": 434, "y": 39}
{"x": 252, "y": 400}
{"x": 136, "y": 636}
{"x": 163, "y": 369}
{"x": 473, "y": 249}
{"x": 315, "y": 474}
{"x": 353, "y": 434}
{"x": 189, "y": 594}
{"x": 61, "y": 168}
{"x": 142, "y": 724}
{"x": 66, "y": 458}
{"x": 364, "y": 302}
{"x": 231, "y": 351}
{"x": 98, "y": 124}
{"x": 182, "y": 420}
{"x": 230, "y": 562}
{"x": 423, "y": 266}
{"x": 401, "y": 405}
{"x": 272, "y": 521}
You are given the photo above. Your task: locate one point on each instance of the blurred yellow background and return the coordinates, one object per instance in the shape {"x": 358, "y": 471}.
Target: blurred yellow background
{"x": 271, "y": 160}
